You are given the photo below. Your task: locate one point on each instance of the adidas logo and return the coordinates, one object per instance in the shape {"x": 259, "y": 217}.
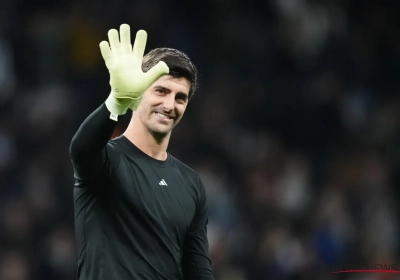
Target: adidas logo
{"x": 162, "y": 183}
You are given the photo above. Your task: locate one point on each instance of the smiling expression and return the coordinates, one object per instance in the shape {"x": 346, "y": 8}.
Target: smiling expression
{"x": 164, "y": 104}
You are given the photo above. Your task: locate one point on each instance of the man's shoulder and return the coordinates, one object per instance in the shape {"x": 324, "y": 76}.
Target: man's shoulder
{"x": 116, "y": 140}
{"x": 113, "y": 146}
{"x": 117, "y": 144}
{"x": 183, "y": 167}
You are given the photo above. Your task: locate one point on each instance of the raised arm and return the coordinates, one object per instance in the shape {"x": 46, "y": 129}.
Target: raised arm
{"x": 88, "y": 146}
{"x": 128, "y": 82}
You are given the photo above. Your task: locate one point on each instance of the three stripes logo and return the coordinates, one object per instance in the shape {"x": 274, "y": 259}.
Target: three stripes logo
{"x": 163, "y": 183}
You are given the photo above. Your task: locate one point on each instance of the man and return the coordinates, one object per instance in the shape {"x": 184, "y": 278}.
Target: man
{"x": 139, "y": 212}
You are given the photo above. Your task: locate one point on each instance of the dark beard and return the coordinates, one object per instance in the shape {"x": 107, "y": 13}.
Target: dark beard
{"x": 158, "y": 136}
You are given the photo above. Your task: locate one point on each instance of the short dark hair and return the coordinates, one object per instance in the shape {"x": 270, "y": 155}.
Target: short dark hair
{"x": 179, "y": 64}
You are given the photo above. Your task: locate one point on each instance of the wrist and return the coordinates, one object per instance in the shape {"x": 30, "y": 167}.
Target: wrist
{"x": 117, "y": 106}
{"x": 135, "y": 103}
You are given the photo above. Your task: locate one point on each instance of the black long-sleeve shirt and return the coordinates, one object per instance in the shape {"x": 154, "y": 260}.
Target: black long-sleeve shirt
{"x": 135, "y": 217}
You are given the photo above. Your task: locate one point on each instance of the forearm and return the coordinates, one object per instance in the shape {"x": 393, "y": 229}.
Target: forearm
{"x": 196, "y": 263}
{"x": 197, "y": 268}
{"x": 92, "y": 136}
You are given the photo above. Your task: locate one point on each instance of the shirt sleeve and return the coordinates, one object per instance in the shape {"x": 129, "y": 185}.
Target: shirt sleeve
{"x": 89, "y": 149}
{"x": 196, "y": 263}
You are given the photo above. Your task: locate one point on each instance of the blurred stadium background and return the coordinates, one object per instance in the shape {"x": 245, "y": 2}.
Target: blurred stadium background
{"x": 295, "y": 129}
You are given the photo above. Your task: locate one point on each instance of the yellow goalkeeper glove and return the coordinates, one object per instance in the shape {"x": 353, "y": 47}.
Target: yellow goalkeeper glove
{"x": 127, "y": 80}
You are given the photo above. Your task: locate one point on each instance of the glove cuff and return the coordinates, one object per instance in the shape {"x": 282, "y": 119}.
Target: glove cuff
{"x": 117, "y": 106}
{"x": 135, "y": 103}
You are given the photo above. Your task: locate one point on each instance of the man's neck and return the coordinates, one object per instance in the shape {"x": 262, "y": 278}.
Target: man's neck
{"x": 145, "y": 141}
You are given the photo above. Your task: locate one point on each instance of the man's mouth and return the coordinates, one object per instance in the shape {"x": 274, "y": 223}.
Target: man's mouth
{"x": 163, "y": 116}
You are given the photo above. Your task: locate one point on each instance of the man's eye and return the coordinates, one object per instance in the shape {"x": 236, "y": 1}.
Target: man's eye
{"x": 181, "y": 100}
{"x": 181, "y": 97}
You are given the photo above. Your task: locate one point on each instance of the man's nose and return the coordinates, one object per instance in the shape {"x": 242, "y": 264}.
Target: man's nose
{"x": 169, "y": 101}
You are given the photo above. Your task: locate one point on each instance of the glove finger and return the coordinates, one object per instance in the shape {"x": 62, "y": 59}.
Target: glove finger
{"x": 157, "y": 71}
{"x": 105, "y": 50}
{"x": 125, "y": 34}
{"x": 113, "y": 39}
{"x": 140, "y": 44}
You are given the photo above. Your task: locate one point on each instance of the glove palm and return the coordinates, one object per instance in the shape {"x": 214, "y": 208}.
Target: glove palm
{"x": 127, "y": 80}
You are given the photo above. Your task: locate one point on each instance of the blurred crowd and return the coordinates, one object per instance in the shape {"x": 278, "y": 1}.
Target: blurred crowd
{"x": 295, "y": 128}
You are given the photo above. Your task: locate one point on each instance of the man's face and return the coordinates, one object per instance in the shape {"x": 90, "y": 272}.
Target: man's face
{"x": 163, "y": 104}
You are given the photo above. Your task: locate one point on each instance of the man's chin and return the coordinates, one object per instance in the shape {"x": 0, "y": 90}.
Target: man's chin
{"x": 160, "y": 132}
